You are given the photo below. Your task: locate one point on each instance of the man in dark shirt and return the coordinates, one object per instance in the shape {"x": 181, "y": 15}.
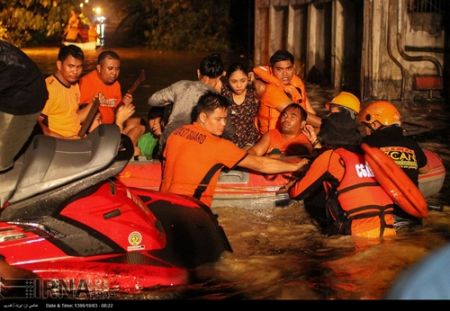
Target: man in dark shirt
{"x": 22, "y": 96}
{"x": 382, "y": 126}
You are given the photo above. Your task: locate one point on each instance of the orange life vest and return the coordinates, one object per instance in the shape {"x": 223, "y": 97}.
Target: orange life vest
{"x": 365, "y": 203}
{"x": 276, "y": 93}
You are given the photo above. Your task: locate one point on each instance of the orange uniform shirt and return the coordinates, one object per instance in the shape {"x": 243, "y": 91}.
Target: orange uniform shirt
{"x": 91, "y": 85}
{"x": 193, "y": 161}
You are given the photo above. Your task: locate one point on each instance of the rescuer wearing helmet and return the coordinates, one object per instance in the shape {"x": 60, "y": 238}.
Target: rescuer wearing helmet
{"x": 347, "y": 101}
{"x": 337, "y": 131}
{"x": 381, "y": 123}
{"x": 339, "y": 190}
{"x": 344, "y": 102}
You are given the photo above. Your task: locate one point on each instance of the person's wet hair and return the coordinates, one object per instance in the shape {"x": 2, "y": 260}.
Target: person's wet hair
{"x": 209, "y": 102}
{"x": 155, "y": 112}
{"x": 281, "y": 55}
{"x": 236, "y": 67}
{"x": 70, "y": 50}
{"x": 211, "y": 66}
{"x": 302, "y": 111}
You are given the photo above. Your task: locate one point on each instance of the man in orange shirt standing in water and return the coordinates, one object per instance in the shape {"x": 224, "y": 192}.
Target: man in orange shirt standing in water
{"x": 195, "y": 153}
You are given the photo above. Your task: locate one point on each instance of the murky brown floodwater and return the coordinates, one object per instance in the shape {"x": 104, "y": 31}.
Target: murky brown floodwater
{"x": 278, "y": 253}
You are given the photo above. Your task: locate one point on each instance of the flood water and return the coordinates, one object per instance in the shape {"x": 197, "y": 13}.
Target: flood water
{"x": 278, "y": 252}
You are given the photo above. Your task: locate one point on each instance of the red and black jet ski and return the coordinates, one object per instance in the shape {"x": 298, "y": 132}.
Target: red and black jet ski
{"x": 65, "y": 217}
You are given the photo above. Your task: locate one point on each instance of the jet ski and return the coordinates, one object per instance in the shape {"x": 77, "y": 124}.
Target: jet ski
{"x": 65, "y": 217}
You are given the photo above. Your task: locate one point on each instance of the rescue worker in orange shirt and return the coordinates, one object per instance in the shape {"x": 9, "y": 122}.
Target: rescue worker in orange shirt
{"x": 195, "y": 153}
{"x": 354, "y": 203}
{"x": 289, "y": 139}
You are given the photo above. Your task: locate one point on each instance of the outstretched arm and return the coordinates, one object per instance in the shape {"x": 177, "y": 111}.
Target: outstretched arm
{"x": 261, "y": 147}
{"x": 162, "y": 98}
{"x": 271, "y": 166}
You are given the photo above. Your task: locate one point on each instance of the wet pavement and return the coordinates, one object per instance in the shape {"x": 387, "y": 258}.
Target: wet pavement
{"x": 278, "y": 252}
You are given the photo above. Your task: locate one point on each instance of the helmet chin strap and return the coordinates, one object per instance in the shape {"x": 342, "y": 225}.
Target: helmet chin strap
{"x": 374, "y": 126}
{"x": 371, "y": 126}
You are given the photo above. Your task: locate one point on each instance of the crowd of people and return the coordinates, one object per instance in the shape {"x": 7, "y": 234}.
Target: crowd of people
{"x": 232, "y": 118}
{"x": 224, "y": 119}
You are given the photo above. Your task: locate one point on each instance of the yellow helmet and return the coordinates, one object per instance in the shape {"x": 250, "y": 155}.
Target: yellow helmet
{"x": 381, "y": 111}
{"x": 347, "y": 100}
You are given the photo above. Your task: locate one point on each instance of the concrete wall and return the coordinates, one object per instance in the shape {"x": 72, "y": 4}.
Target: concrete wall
{"x": 381, "y": 74}
{"x": 280, "y": 24}
{"x": 303, "y": 27}
{"x": 337, "y": 47}
{"x": 389, "y": 70}
{"x": 373, "y": 48}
